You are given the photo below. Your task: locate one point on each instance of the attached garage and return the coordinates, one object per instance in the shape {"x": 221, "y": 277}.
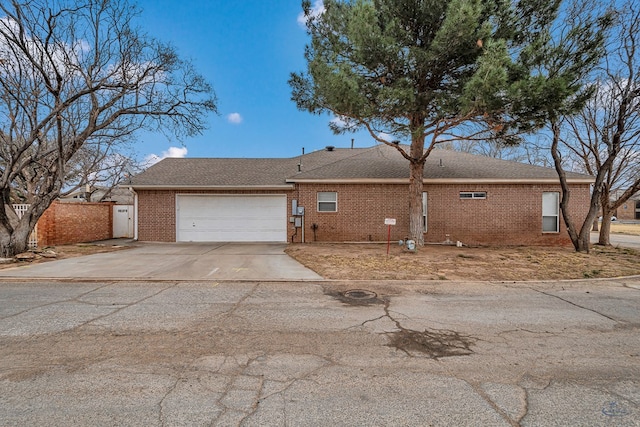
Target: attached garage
{"x": 231, "y": 218}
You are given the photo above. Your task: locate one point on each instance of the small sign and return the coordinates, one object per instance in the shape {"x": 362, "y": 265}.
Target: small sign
{"x": 389, "y": 221}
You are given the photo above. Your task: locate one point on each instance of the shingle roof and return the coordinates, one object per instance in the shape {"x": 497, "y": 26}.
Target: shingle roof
{"x": 384, "y": 162}
{"x": 233, "y": 172}
{"x": 342, "y": 164}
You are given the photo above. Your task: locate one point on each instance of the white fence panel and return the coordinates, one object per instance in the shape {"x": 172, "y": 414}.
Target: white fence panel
{"x": 33, "y": 237}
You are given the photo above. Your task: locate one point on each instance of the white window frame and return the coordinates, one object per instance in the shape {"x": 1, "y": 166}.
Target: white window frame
{"x": 550, "y": 211}
{"x": 473, "y": 195}
{"x": 424, "y": 211}
{"x": 327, "y": 202}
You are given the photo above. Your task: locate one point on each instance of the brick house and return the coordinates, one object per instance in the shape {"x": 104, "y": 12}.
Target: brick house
{"x": 346, "y": 195}
{"x": 630, "y": 210}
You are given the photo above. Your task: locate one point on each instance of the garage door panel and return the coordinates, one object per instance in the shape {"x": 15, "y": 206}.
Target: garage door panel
{"x": 232, "y": 218}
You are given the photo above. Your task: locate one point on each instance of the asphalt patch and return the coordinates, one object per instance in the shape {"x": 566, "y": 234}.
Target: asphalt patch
{"x": 433, "y": 343}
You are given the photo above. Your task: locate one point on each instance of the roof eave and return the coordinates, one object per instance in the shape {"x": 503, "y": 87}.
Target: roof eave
{"x": 208, "y": 187}
{"x": 588, "y": 180}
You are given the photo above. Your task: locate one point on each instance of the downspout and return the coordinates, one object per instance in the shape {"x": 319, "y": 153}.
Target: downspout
{"x": 135, "y": 213}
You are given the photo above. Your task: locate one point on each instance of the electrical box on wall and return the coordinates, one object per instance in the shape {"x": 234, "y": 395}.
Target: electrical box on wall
{"x": 298, "y": 222}
{"x": 300, "y": 210}
{"x": 294, "y": 207}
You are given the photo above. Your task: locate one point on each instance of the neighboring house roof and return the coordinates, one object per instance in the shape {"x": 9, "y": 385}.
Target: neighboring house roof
{"x": 380, "y": 163}
{"x": 120, "y": 195}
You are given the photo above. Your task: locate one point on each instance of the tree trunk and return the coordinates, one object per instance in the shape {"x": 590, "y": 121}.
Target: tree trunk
{"x": 581, "y": 240}
{"x": 14, "y": 232}
{"x": 605, "y": 228}
{"x": 14, "y": 243}
{"x": 415, "y": 202}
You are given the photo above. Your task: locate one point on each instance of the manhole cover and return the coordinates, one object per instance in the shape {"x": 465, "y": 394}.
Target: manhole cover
{"x": 360, "y": 294}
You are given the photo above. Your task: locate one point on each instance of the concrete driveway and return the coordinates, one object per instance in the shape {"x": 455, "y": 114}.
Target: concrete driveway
{"x": 176, "y": 261}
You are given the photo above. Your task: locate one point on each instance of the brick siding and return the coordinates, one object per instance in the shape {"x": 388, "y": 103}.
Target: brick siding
{"x": 68, "y": 223}
{"x": 510, "y": 215}
{"x": 628, "y": 210}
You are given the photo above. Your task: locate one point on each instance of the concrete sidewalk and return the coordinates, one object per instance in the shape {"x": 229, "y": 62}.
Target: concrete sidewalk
{"x": 175, "y": 261}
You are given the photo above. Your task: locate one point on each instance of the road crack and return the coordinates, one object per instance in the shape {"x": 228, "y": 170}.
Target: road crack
{"x": 124, "y": 306}
{"x": 74, "y": 299}
{"x": 435, "y": 343}
{"x": 576, "y": 305}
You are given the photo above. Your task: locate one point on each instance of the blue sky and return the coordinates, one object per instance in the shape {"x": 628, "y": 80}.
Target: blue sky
{"x": 246, "y": 50}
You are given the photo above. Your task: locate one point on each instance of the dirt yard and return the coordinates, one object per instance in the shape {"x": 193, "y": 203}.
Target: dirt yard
{"x": 53, "y": 253}
{"x": 439, "y": 262}
{"x": 432, "y": 262}
{"x": 625, "y": 228}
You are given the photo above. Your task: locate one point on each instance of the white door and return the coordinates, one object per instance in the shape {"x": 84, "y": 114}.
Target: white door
{"x": 122, "y": 221}
{"x": 231, "y": 218}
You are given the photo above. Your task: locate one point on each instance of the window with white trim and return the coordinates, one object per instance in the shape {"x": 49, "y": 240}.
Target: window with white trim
{"x": 550, "y": 212}
{"x": 473, "y": 194}
{"x": 327, "y": 201}
{"x": 424, "y": 212}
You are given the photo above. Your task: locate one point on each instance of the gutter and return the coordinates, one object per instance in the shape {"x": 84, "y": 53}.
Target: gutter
{"x": 212, "y": 187}
{"x": 135, "y": 213}
{"x": 587, "y": 180}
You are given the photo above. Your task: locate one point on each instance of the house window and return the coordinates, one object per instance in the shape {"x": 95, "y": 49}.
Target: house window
{"x": 473, "y": 194}
{"x": 327, "y": 201}
{"x": 550, "y": 212}
{"x": 424, "y": 212}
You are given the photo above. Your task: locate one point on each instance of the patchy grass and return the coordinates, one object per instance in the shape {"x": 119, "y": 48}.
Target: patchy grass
{"x": 435, "y": 262}
{"x": 620, "y": 228}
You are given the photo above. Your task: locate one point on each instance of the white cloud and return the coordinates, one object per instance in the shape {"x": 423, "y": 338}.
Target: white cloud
{"x": 178, "y": 152}
{"x": 316, "y": 10}
{"x": 342, "y": 123}
{"x": 339, "y": 121}
{"x": 234, "y": 118}
{"x": 385, "y": 136}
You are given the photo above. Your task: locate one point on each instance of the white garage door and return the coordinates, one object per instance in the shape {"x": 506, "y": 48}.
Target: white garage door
{"x": 231, "y": 218}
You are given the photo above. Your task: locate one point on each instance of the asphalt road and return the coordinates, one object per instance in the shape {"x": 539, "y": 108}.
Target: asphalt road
{"x": 299, "y": 354}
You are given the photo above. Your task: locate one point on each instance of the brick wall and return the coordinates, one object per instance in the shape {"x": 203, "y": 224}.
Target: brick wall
{"x": 157, "y": 216}
{"x": 157, "y": 212}
{"x": 628, "y": 210}
{"x": 511, "y": 214}
{"x": 67, "y": 223}
{"x": 361, "y": 212}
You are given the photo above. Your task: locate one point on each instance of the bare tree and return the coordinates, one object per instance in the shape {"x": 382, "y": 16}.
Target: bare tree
{"x": 605, "y": 136}
{"x": 534, "y": 150}
{"x": 97, "y": 169}
{"x": 75, "y": 73}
